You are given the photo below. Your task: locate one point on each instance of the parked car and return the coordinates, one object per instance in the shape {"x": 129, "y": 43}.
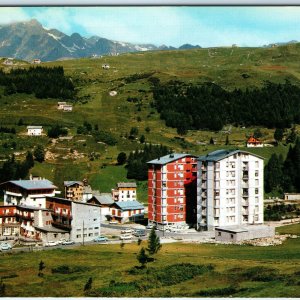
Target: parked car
{"x": 68, "y": 242}
{"x": 139, "y": 232}
{"x": 100, "y": 238}
{"x": 5, "y": 247}
{"x": 127, "y": 231}
{"x": 150, "y": 226}
{"x": 61, "y": 241}
{"x": 51, "y": 243}
{"x": 113, "y": 222}
{"x": 126, "y": 236}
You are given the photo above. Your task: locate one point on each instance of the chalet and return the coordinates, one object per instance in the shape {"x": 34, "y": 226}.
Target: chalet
{"x": 125, "y": 191}
{"x": 124, "y": 211}
{"x": 78, "y": 190}
{"x": 291, "y": 197}
{"x": 104, "y": 200}
{"x": 60, "y": 105}
{"x": 254, "y": 142}
{"x": 36, "y": 61}
{"x": 34, "y": 130}
{"x": 28, "y": 192}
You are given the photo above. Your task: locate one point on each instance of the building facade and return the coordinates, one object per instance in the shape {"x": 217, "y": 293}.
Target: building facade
{"x": 34, "y": 130}
{"x": 172, "y": 190}
{"x": 229, "y": 189}
{"x": 125, "y": 191}
{"x": 9, "y": 223}
{"x": 124, "y": 211}
{"x": 28, "y": 192}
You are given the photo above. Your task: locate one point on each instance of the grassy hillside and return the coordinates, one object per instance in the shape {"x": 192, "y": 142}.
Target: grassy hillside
{"x": 224, "y": 66}
{"x": 238, "y": 271}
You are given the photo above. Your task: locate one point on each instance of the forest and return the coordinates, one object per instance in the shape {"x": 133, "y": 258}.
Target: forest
{"x": 209, "y": 106}
{"x": 283, "y": 175}
{"x": 43, "y": 82}
{"x": 137, "y": 167}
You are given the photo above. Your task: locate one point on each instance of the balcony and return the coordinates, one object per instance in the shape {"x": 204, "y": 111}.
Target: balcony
{"x": 245, "y": 211}
{"x": 203, "y": 195}
{"x": 23, "y": 217}
{"x": 63, "y": 226}
{"x": 204, "y": 186}
{"x": 62, "y": 214}
{"x": 9, "y": 214}
{"x": 245, "y": 203}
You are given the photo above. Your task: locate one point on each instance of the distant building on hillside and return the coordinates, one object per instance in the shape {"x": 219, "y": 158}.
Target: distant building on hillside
{"x": 105, "y": 66}
{"x": 60, "y": 105}
{"x": 254, "y": 142}
{"x": 34, "y": 130}
{"x": 291, "y": 197}
{"x": 36, "y": 61}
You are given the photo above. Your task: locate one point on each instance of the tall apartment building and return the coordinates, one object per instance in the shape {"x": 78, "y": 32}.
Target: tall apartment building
{"x": 172, "y": 190}
{"x": 229, "y": 189}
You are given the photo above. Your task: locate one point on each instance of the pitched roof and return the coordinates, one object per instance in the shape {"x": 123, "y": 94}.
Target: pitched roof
{"x": 126, "y": 184}
{"x": 70, "y": 183}
{"x": 34, "y": 127}
{"x": 253, "y": 140}
{"x": 32, "y": 184}
{"x": 105, "y": 198}
{"x": 129, "y": 205}
{"x": 221, "y": 154}
{"x": 169, "y": 158}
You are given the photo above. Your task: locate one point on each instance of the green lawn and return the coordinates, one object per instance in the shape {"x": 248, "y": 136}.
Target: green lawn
{"x": 238, "y": 271}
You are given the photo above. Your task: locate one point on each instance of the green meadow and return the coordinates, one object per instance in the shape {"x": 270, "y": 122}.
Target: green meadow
{"x": 179, "y": 270}
{"x": 71, "y": 159}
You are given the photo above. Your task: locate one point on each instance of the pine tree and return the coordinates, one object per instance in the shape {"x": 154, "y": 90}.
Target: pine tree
{"x": 154, "y": 244}
{"x": 227, "y": 140}
{"x": 41, "y": 268}
{"x": 39, "y": 153}
{"x": 88, "y": 285}
{"x": 143, "y": 257}
{"x": 211, "y": 141}
{"x": 2, "y": 288}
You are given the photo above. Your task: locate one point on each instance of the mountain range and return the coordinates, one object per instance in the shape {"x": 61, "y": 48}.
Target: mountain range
{"x": 30, "y": 40}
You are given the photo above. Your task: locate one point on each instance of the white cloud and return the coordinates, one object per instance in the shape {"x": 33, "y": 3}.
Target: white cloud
{"x": 12, "y": 14}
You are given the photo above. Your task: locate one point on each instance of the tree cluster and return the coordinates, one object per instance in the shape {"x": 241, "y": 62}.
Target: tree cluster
{"x": 137, "y": 161}
{"x": 56, "y": 131}
{"x": 278, "y": 211}
{"x": 8, "y": 130}
{"x": 209, "y": 106}
{"x": 284, "y": 175}
{"x": 12, "y": 169}
{"x": 99, "y": 135}
{"x": 42, "y": 81}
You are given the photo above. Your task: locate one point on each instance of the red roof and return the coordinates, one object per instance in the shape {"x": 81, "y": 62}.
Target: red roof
{"x": 253, "y": 140}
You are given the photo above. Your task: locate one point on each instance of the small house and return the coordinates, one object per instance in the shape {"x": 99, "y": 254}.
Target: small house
{"x": 125, "y": 211}
{"x": 125, "y": 191}
{"x": 36, "y": 61}
{"x": 105, "y": 66}
{"x": 254, "y": 142}
{"x": 60, "y": 105}
{"x": 104, "y": 200}
{"x": 67, "y": 107}
{"x": 8, "y": 62}
{"x": 34, "y": 130}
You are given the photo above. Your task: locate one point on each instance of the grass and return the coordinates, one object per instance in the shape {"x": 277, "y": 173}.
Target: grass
{"x": 224, "y": 66}
{"x": 238, "y": 271}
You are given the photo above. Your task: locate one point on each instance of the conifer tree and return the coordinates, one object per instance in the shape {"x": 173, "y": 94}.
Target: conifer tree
{"x": 154, "y": 244}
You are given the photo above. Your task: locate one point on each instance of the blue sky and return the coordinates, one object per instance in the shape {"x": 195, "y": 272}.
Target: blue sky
{"x": 205, "y": 26}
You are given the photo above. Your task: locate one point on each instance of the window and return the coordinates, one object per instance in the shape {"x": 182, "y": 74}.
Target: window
{"x": 219, "y": 233}
{"x": 256, "y": 173}
{"x": 95, "y": 219}
{"x": 96, "y": 228}
{"x": 231, "y": 236}
{"x": 78, "y": 236}
{"x": 256, "y": 191}
{"x": 90, "y": 234}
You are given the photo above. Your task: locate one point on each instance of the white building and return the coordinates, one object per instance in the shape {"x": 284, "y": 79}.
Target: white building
{"x": 28, "y": 192}
{"x": 86, "y": 221}
{"x": 60, "y": 105}
{"x": 229, "y": 189}
{"x": 125, "y": 191}
{"x": 34, "y": 130}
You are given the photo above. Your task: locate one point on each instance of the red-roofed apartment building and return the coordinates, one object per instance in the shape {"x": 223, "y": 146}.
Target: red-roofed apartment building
{"x": 172, "y": 190}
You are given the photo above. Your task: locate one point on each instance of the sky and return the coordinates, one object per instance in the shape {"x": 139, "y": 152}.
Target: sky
{"x": 169, "y": 25}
